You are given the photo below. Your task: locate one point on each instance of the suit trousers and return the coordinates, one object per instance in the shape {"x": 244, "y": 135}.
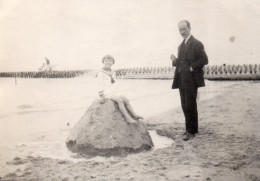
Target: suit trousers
{"x": 188, "y": 93}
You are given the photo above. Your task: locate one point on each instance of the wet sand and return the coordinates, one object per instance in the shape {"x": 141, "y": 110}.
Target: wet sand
{"x": 227, "y": 147}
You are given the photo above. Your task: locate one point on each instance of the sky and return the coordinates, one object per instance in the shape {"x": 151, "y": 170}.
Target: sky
{"x": 76, "y": 34}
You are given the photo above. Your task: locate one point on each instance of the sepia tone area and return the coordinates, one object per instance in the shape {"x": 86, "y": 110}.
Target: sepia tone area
{"x": 34, "y": 132}
{"x": 61, "y": 119}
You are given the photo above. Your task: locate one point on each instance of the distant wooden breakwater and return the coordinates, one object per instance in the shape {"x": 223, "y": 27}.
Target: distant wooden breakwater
{"x": 211, "y": 72}
{"x": 45, "y": 74}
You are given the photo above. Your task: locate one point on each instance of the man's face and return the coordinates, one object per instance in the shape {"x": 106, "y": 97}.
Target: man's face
{"x": 184, "y": 29}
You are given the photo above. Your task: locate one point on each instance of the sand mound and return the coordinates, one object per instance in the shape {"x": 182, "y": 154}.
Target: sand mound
{"x": 104, "y": 131}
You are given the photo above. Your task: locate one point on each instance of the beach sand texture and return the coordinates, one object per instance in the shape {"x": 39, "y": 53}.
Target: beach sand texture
{"x": 38, "y": 115}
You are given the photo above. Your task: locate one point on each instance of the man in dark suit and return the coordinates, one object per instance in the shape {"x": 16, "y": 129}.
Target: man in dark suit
{"x": 189, "y": 76}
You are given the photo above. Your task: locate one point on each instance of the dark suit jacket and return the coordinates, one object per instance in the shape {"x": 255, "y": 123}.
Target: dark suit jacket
{"x": 196, "y": 58}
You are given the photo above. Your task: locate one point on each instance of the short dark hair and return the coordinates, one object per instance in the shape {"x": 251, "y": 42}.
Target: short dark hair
{"x": 185, "y": 21}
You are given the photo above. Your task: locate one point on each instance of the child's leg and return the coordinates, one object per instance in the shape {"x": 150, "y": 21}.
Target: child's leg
{"x": 130, "y": 108}
{"x": 122, "y": 108}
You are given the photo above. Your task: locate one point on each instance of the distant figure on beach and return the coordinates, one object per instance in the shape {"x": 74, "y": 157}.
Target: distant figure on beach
{"x": 189, "y": 76}
{"x": 107, "y": 90}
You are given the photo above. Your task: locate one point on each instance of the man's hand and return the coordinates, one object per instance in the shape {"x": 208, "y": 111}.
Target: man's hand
{"x": 174, "y": 60}
{"x": 191, "y": 69}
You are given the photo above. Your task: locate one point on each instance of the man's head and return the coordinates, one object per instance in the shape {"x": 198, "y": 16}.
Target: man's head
{"x": 184, "y": 28}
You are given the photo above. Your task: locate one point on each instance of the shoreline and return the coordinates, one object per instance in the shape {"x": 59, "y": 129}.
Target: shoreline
{"x": 227, "y": 147}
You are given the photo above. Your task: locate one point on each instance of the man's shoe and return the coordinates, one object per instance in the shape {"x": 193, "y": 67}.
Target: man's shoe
{"x": 188, "y": 136}
{"x": 184, "y": 133}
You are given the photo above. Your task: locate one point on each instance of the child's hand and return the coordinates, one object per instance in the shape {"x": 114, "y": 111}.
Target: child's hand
{"x": 102, "y": 97}
{"x": 101, "y": 94}
{"x": 102, "y": 100}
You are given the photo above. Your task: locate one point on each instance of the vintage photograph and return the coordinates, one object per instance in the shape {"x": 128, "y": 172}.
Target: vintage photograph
{"x": 141, "y": 90}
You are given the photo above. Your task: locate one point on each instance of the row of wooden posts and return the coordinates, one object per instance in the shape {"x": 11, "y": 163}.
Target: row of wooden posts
{"x": 213, "y": 72}
{"x": 221, "y": 72}
{"x": 45, "y": 74}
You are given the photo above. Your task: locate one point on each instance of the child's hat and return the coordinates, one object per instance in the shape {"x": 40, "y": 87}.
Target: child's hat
{"x": 108, "y": 57}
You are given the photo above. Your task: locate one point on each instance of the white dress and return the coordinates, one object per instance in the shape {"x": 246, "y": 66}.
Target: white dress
{"x": 106, "y": 83}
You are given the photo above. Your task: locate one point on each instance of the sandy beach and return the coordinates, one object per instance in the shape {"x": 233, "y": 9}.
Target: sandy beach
{"x": 227, "y": 146}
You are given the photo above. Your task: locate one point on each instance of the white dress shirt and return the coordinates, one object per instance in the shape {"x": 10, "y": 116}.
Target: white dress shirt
{"x": 187, "y": 39}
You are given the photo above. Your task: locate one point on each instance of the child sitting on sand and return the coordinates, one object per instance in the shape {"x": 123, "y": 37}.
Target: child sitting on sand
{"x": 106, "y": 78}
